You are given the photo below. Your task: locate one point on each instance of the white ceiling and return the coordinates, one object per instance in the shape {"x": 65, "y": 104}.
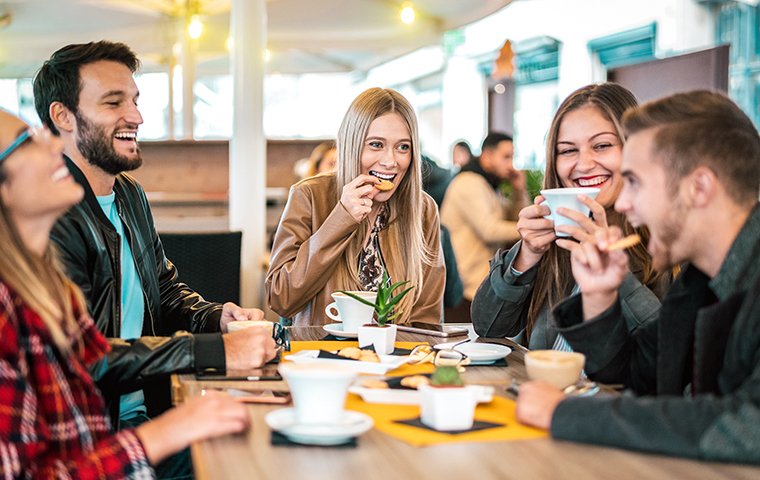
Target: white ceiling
{"x": 303, "y": 35}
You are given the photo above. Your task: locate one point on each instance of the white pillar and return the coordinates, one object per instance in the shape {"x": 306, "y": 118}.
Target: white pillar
{"x": 188, "y": 80}
{"x": 247, "y": 197}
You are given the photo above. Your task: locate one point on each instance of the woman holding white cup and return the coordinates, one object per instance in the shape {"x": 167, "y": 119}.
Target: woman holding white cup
{"x": 583, "y": 149}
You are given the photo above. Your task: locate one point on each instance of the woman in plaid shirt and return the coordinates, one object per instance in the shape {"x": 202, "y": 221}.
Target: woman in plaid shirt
{"x": 53, "y": 422}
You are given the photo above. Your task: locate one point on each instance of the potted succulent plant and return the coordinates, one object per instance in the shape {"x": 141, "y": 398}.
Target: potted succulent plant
{"x": 446, "y": 403}
{"x": 382, "y": 333}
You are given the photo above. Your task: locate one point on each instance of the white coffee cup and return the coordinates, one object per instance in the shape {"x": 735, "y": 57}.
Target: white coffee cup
{"x": 350, "y": 311}
{"x": 318, "y": 391}
{"x": 567, "y": 198}
{"x": 243, "y": 324}
{"x": 559, "y": 368}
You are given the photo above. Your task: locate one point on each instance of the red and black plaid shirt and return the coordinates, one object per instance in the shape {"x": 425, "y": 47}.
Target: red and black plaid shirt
{"x": 53, "y": 421}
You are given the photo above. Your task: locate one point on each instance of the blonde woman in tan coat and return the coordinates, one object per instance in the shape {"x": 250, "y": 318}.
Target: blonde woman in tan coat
{"x": 341, "y": 232}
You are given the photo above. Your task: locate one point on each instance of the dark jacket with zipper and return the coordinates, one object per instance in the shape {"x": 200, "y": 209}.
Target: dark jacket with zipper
{"x": 89, "y": 248}
{"x": 696, "y": 368}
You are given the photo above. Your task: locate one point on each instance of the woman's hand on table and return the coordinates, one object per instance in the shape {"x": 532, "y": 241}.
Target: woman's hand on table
{"x": 212, "y": 415}
{"x": 536, "y": 403}
{"x": 357, "y": 196}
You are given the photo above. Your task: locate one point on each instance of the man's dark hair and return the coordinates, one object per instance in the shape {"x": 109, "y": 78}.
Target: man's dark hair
{"x": 702, "y": 128}
{"x": 59, "y": 80}
{"x": 493, "y": 139}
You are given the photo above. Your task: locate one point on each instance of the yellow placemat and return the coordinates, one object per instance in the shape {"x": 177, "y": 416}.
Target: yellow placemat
{"x": 500, "y": 410}
{"x": 297, "y": 346}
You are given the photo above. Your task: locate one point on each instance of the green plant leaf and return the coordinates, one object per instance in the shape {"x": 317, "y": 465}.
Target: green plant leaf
{"x": 396, "y": 285}
{"x": 398, "y": 297}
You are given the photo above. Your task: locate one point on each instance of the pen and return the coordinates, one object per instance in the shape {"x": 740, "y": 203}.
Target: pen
{"x": 241, "y": 379}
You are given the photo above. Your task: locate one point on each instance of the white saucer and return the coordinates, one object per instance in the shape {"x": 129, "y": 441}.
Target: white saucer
{"x": 399, "y": 396}
{"x": 351, "y": 425}
{"x": 336, "y": 329}
{"x": 479, "y": 352}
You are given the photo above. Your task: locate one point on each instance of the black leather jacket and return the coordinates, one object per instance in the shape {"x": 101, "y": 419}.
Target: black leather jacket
{"x": 89, "y": 248}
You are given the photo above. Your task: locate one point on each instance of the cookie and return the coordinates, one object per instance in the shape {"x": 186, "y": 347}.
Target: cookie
{"x": 415, "y": 381}
{"x": 384, "y": 185}
{"x": 374, "y": 383}
{"x": 350, "y": 352}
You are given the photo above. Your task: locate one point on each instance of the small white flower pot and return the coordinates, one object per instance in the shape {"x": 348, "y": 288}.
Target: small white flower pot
{"x": 383, "y": 338}
{"x": 448, "y": 408}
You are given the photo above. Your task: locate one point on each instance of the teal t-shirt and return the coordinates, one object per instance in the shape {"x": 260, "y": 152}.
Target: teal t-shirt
{"x": 132, "y": 303}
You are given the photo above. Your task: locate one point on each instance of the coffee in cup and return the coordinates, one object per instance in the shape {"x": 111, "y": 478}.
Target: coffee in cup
{"x": 318, "y": 391}
{"x": 559, "y": 368}
{"x": 567, "y": 198}
{"x": 243, "y": 324}
{"x": 350, "y": 311}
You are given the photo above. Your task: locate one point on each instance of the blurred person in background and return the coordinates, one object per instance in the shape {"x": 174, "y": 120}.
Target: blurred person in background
{"x": 461, "y": 154}
{"x": 323, "y": 159}
{"x": 480, "y": 218}
{"x": 435, "y": 181}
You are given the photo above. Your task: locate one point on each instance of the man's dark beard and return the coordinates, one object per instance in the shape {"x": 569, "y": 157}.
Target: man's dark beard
{"x": 97, "y": 147}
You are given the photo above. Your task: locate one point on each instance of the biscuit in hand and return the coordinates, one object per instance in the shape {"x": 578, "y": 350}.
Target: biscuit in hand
{"x": 384, "y": 185}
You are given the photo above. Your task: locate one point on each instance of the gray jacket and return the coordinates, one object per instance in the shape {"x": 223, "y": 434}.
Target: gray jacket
{"x": 700, "y": 360}
{"x": 500, "y": 307}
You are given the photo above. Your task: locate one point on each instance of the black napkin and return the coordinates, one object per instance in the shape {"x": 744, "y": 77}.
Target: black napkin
{"x": 396, "y": 351}
{"x": 335, "y": 356}
{"x": 332, "y": 338}
{"x": 476, "y": 426}
{"x": 278, "y": 440}
{"x": 327, "y": 354}
{"x": 395, "y": 382}
{"x": 502, "y": 362}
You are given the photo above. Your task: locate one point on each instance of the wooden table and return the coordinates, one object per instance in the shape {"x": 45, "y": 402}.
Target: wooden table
{"x": 381, "y": 457}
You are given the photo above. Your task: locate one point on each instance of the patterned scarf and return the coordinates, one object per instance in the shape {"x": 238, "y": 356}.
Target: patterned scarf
{"x": 371, "y": 262}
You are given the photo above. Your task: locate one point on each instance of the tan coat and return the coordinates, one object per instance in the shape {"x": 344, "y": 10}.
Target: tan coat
{"x": 480, "y": 221}
{"x": 313, "y": 233}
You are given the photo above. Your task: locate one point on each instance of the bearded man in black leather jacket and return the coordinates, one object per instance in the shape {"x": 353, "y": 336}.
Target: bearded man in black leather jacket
{"x": 87, "y": 95}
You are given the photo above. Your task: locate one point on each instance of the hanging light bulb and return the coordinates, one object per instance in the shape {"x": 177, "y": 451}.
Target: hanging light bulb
{"x": 267, "y": 55}
{"x": 230, "y": 43}
{"x": 407, "y": 13}
{"x": 195, "y": 27}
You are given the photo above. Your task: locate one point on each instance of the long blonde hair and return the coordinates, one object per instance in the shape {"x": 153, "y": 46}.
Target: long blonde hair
{"x": 39, "y": 281}
{"x": 554, "y": 279}
{"x": 405, "y": 237}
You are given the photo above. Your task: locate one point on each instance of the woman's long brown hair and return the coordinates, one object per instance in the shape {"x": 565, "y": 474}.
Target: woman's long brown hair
{"x": 554, "y": 279}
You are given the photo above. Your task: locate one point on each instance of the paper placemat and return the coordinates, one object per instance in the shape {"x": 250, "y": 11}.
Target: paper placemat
{"x": 500, "y": 410}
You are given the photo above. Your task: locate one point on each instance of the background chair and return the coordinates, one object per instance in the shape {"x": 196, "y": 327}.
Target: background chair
{"x": 209, "y": 262}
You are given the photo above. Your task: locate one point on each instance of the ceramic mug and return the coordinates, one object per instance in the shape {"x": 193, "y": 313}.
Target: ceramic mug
{"x": 559, "y": 368}
{"x": 567, "y": 198}
{"x": 243, "y": 324}
{"x": 318, "y": 391}
{"x": 350, "y": 311}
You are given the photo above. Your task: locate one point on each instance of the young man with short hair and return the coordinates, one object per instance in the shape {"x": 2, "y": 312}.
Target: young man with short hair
{"x": 109, "y": 246}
